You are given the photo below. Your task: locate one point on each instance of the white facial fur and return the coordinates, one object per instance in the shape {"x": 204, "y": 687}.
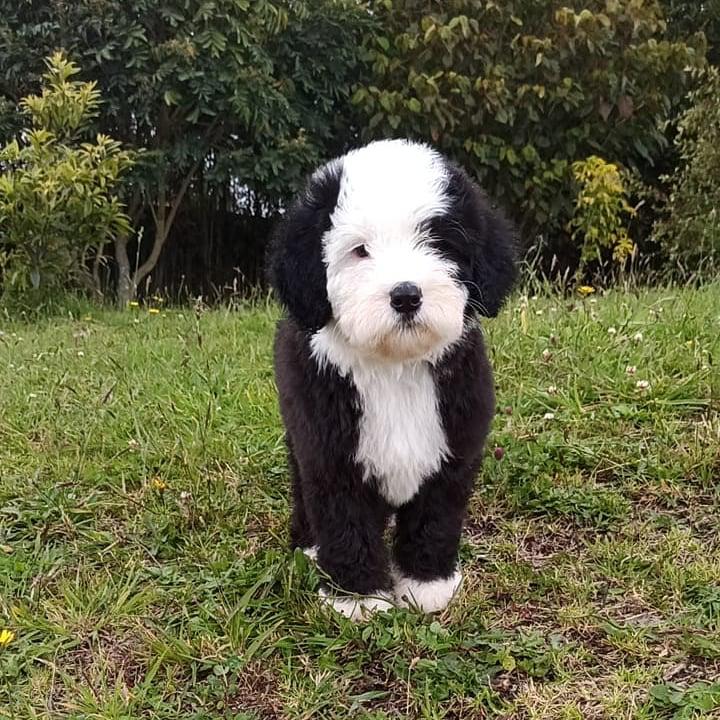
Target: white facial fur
{"x": 387, "y": 190}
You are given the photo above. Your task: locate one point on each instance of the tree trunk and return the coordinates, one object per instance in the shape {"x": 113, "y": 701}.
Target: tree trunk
{"x": 164, "y": 212}
{"x": 125, "y": 287}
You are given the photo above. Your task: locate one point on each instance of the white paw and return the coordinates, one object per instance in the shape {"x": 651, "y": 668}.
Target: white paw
{"x": 431, "y": 596}
{"x": 357, "y": 607}
{"x": 312, "y": 552}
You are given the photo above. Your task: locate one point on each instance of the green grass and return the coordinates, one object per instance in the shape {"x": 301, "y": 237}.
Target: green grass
{"x": 144, "y": 510}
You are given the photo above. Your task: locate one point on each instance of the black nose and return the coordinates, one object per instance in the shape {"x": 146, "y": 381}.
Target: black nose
{"x": 406, "y": 298}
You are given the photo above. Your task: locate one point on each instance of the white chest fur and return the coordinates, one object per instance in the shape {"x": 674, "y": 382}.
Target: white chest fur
{"x": 401, "y": 439}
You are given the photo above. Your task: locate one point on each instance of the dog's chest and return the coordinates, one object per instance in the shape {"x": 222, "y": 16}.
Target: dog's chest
{"x": 401, "y": 438}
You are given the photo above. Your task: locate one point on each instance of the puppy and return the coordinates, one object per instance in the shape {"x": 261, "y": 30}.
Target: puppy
{"x": 383, "y": 265}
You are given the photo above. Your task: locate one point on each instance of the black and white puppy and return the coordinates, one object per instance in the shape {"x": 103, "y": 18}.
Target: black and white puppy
{"x": 386, "y": 393}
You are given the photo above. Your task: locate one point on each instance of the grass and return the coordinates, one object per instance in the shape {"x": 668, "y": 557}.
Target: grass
{"x": 144, "y": 509}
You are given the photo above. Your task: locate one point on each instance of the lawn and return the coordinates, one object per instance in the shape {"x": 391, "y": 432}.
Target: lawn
{"x": 144, "y": 570}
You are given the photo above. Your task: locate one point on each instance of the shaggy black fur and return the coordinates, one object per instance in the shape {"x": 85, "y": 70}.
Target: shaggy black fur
{"x": 334, "y": 507}
{"x": 480, "y": 240}
{"x": 296, "y": 270}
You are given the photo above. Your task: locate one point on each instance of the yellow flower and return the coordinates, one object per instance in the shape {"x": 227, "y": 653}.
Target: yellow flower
{"x": 586, "y": 290}
{"x": 6, "y": 637}
{"x": 133, "y": 303}
{"x": 154, "y": 311}
{"x": 159, "y": 484}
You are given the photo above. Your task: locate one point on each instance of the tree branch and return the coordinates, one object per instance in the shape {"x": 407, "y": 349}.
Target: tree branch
{"x": 164, "y": 223}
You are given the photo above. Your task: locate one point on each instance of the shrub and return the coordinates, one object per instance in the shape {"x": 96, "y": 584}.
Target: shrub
{"x": 56, "y": 191}
{"x": 690, "y": 232}
{"x": 600, "y": 210}
{"x": 517, "y": 91}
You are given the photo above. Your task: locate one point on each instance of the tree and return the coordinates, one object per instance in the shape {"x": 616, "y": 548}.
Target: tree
{"x": 688, "y": 17}
{"x": 690, "y": 230}
{"x": 57, "y": 192}
{"x": 226, "y": 93}
{"x": 518, "y": 91}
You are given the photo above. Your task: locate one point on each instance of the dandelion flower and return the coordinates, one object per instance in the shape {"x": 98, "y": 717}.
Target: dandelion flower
{"x": 159, "y": 484}
{"x": 6, "y": 637}
{"x": 133, "y": 304}
{"x": 586, "y": 290}
{"x": 154, "y": 311}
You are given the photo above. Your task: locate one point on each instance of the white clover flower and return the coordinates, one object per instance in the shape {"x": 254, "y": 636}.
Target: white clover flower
{"x": 631, "y": 369}
{"x": 552, "y": 390}
{"x": 546, "y": 355}
{"x": 549, "y": 416}
{"x": 612, "y": 331}
{"x": 642, "y": 385}
{"x": 638, "y": 338}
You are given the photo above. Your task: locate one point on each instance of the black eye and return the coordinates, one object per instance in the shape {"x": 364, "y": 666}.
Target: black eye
{"x": 360, "y": 251}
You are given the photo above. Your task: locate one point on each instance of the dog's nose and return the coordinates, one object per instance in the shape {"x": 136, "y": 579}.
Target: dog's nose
{"x": 406, "y": 298}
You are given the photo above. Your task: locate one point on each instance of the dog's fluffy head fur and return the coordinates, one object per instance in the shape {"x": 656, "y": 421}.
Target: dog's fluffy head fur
{"x": 392, "y": 214}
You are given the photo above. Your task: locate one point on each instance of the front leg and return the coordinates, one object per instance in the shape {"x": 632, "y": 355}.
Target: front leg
{"x": 427, "y": 537}
{"x": 348, "y": 526}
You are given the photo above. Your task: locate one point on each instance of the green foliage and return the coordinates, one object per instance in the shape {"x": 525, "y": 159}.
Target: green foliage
{"x": 600, "y": 210}
{"x": 57, "y": 193}
{"x": 690, "y": 233}
{"x": 686, "y": 703}
{"x": 255, "y": 84}
{"x": 234, "y": 99}
{"x": 687, "y": 17}
{"x": 518, "y": 91}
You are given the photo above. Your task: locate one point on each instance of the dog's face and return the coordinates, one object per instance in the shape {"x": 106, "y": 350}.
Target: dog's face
{"x": 396, "y": 248}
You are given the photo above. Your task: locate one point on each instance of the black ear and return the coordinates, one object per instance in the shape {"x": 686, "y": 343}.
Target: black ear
{"x": 296, "y": 268}
{"x": 493, "y": 247}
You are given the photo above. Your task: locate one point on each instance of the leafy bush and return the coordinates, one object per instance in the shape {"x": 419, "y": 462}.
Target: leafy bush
{"x": 56, "y": 191}
{"x": 600, "y": 208}
{"x": 518, "y": 91}
{"x": 690, "y": 233}
{"x": 235, "y": 101}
